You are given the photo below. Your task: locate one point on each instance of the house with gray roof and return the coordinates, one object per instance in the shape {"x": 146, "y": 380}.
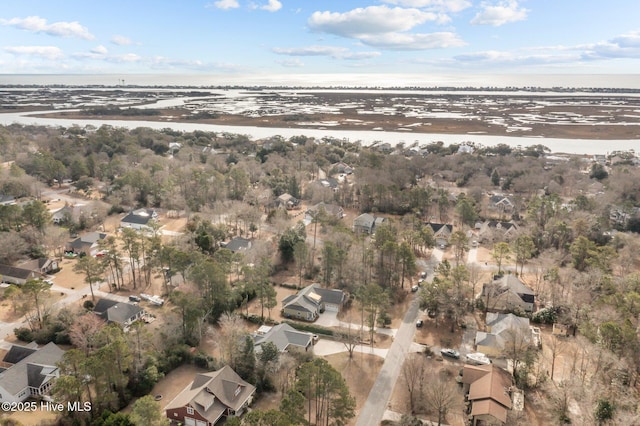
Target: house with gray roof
{"x": 32, "y": 374}
{"x": 441, "y": 232}
{"x": 16, "y": 275}
{"x": 283, "y": 336}
{"x": 331, "y": 210}
{"x": 121, "y": 313}
{"x": 7, "y": 200}
{"x": 309, "y": 302}
{"x": 366, "y": 223}
{"x": 500, "y": 328}
{"x": 86, "y": 243}
{"x": 508, "y": 294}
{"x": 210, "y": 397}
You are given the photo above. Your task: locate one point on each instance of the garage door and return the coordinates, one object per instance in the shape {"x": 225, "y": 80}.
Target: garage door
{"x": 331, "y": 307}
{"x": 188, "y": 421}
{"x": 201, "y": 423}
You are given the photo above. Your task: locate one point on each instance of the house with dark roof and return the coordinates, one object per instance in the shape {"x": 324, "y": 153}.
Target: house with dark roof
{"x": 366, "y": 223}
{"x": 62, "y": 215}
{"x": 441, "y": 232}
{"x": 139, "y": 219}
{"x": 499, "y": 329}
{"x": 508, "y": 294}
{"x": 30, "y": 372}
{"x": 238, "y": 244}
{"x": 121, "y": 313}
{"x": 501, "y": 203}
{"x": 210, "y": 397}
{"x": 283, "y": 336}
{"x": 309, "y": 302}
{"x": 87, "y": 243}
{"x": 18, "y": 276}
{"x": 488, "y": 390}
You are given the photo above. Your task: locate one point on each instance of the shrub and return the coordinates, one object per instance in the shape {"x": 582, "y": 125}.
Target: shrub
{"x": 23, "y": 333}
{"x": 315, "y": 329}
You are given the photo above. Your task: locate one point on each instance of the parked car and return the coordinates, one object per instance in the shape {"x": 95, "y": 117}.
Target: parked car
{"x": 134, "y": 299}
{"x": 423, "y": 274}
{"x": 414, "y": 288}
{"x": 419, "y": 323}
{"x": 420, "y": 282}
{"x": 451, "y": 353}
{"x": 478, "y": 358}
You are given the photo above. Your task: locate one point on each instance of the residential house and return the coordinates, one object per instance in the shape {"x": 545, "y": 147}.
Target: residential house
{"x": 488, "y": 390}
{"x": 238, "y": 244}
{"x": 86, "y": 243}
{"x": 28, "y": 372}
{"x": 16, "y": 275}
{"x": 366, "y": 223}
{"x": 499, "y": 329}
{"x": 508, "y": 294}
{"x": 309, "y": 302}
{"x": 342, "y": 168}
{"x": 503, "y": 227}
{"x": 139, "y": 219}
{"x": 287, "y": 201}
{"x": 42, "y": 265}
{"x": 283, "y": 336}
{"x": 121, "y": 313}
{"x": 62, "y": 215}
{"x": 328, "y": 183}
{"x": 7, "y": 200}
{"x": 331, "y": 210}
{"x": 441, "y": 233}
{"x": 501, "y": 204}
{"x": 210, "y": 397}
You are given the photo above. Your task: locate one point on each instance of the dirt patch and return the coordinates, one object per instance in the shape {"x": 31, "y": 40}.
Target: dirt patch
{"x": 440, "y": 334}
{"x": 33, "y": 418}
{"x": 173, "y": 383}
{"x": 359, "y": 372}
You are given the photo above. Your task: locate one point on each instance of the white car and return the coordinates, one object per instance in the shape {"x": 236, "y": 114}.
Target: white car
{"x": 478, "y": 358}
{"x": 414, "y": 288}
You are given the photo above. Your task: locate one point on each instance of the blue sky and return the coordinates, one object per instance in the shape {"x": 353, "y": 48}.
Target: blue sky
{"x": 319, "y": 36}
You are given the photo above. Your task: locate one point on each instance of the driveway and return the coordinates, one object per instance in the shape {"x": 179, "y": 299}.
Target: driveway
{"x": 330, "y": 319}
{"x": 329, "y": 347}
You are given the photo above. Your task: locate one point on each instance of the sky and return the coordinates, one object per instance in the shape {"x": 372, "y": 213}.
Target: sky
{"x": 358, "y": 37}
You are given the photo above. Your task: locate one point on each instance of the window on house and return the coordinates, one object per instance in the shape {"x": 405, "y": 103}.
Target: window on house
{"x": 190, "y": 410}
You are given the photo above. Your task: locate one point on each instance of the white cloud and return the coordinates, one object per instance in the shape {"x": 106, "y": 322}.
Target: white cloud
{"x": 331, "y": 51}
{"x": 368, "y": 21}
{"x": 291, "y": 63}
{"x": 224, "y": 4}
{"x": 100, "y": 50}
{"x": 37, "y": 24}
{"x": 442, "y": 5}
{"x": 48, "y": 52}
{"x": 500, "y": 13}
{"x": 121, "y": 40}
{"x": 272, "y": 6}
{"x": 403, "y": 41}
{"x": 309, "y": 51}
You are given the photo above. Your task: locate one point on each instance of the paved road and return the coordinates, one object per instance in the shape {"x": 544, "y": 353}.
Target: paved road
{"x": 376, "y": 404}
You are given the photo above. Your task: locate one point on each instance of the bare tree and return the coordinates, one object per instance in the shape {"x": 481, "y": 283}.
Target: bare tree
{"x": 442, "y": 395}
{"x": 556, "y": 346}
{"x": 84, "y": 330}
{"x": 230, "y": 337}
{"x": 413, "y": 372}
